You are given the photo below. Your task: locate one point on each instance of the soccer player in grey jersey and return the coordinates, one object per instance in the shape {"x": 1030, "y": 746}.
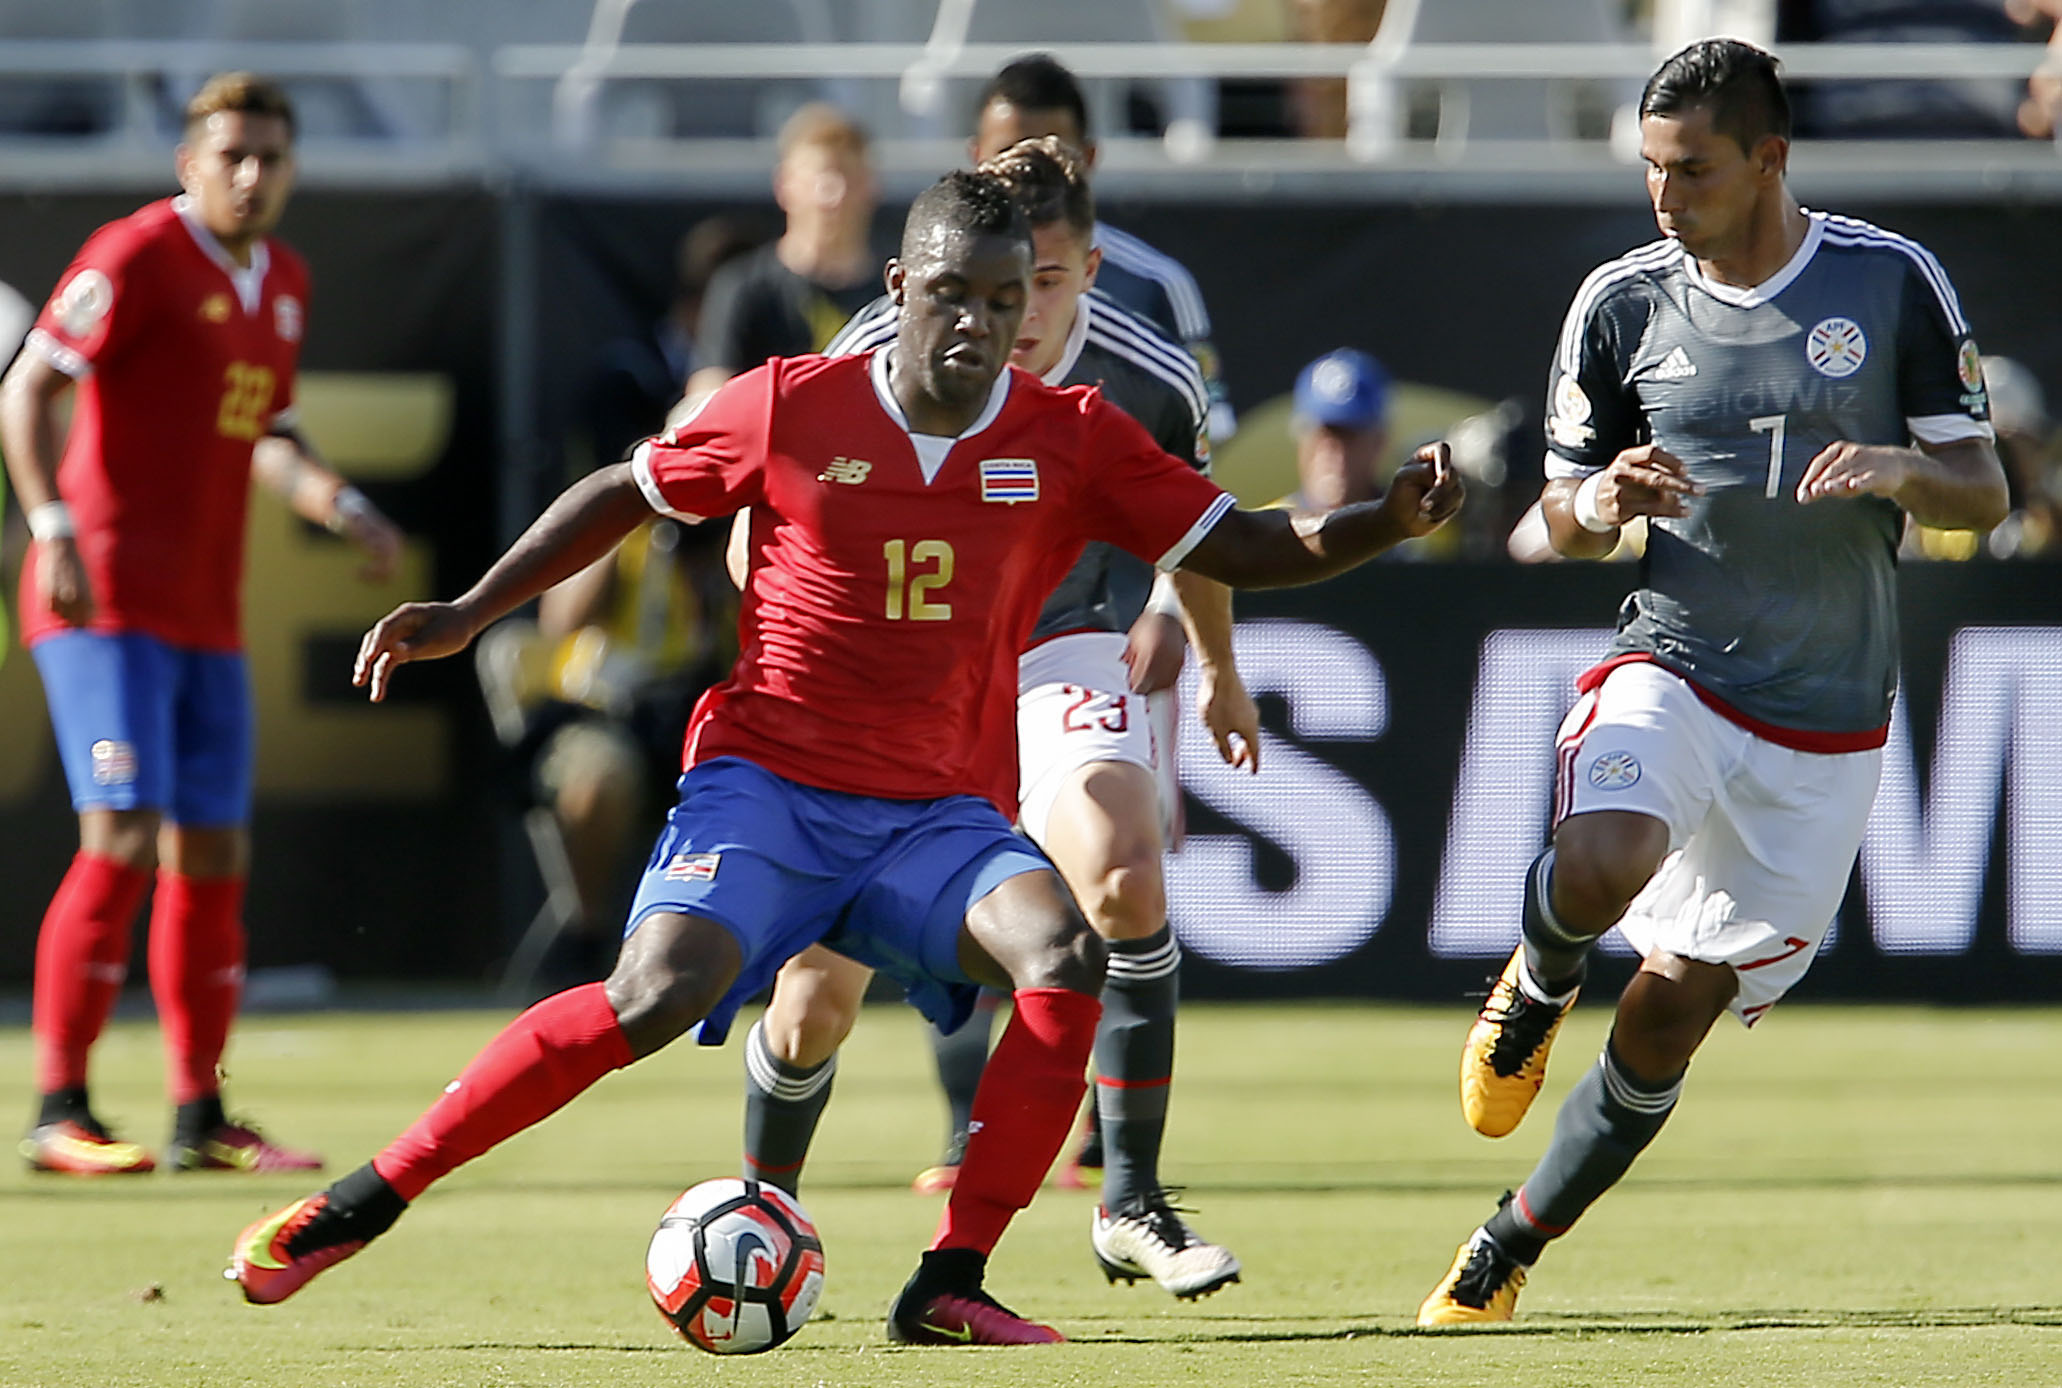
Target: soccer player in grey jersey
{"x": 1036, "y": 95}
{"x": 1775, "y": 390}
{"x": 1097, "y": 786}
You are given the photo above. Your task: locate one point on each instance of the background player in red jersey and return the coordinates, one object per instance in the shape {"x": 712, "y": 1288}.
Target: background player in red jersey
{"x": 911, "y": 510}
{"x": 180, "y": 326}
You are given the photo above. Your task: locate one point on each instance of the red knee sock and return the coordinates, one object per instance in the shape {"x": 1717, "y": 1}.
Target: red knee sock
{"x": 538, "y": 1064}
{"x": 82, "y": 955}
{"x": 1023, "y": 1112}
{"x": 196, "y": 976}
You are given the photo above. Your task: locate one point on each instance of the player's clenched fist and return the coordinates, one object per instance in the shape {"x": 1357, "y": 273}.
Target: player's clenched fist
{"x": 412, "y": 631}
{"x": 1643, "y": 481}
{"x": 1426, "y": 491}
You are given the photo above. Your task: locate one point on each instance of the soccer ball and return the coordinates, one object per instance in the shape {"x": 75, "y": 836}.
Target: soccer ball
{"x": 735, "y": 1266}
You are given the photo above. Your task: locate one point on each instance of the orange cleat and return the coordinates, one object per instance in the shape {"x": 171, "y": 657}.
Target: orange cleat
{"x": 78, "y": 1148}
{"x": 264, "y": 1262}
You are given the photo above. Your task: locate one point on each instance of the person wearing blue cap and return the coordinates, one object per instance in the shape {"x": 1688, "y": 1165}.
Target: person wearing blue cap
{"x": 1341, "y": 426}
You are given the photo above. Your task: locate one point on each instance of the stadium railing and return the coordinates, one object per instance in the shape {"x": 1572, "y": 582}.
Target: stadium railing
{"x": 507, "y": 116}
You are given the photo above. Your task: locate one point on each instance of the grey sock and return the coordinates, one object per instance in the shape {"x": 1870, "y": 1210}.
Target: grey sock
{"x": 1607, "y": 1120}
{"x": 1134, "y": 1060}
{"x": 782, "y": 1105}
{"x": 961, "y": 1057}
{"x": 1556, "y": 956}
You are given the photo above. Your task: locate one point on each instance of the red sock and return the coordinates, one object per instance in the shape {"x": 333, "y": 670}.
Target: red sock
{"x": 196, "y": 976}
{"x": 1023, "y": 1112}
{"x": 82, "y": 955}
{"x": 539, "y": 1063}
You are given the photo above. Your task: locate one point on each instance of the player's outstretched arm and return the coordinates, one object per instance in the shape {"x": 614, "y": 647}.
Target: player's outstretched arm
{"x": 1947, "y": 486}
{"x": 1273, "y": 549}
{"x": 29, "y": 437}
{"x": 588, "y": 519}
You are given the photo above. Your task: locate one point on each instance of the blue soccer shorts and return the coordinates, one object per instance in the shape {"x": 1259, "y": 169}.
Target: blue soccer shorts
{"x": 783, "y": 866}
{"x": 142, "y": 725}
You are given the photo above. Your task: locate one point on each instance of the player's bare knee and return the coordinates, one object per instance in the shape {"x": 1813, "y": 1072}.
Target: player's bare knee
{"x": 672, "y": 972}
{"x": 1666, "y": 1012}
{"x": 1129, "y": 902}
{"x": 1074, "y": 961}
{"x": 1596, "y": 876}
{"x": 810, "y": 1034}
{"x": 129, "y": 837}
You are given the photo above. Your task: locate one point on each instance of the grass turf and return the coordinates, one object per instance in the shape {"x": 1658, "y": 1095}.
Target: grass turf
{"x": 1850, "y": 1196}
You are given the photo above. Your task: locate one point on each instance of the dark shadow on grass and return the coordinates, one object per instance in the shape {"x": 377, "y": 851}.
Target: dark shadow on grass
{"x": 1258, "y": 1330}
{"x": 1206, "y": 1187}
{"x": 787, "y": 1352}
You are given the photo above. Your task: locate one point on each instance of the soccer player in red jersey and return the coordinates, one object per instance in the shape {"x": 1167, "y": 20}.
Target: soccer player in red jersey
{"x": 179, "y": 326}
{"x": 850, "y": 783}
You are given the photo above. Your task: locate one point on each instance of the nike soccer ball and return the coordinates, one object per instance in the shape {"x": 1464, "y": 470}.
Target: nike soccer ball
{"x": 735, "y": 1266}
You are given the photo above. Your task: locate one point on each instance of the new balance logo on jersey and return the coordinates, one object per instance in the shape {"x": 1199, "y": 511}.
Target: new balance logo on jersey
{"x": 851, "y": 471}
{"x": 1675, "y": 366}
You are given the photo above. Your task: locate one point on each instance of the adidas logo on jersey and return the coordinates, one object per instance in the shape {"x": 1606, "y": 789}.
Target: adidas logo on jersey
{"x": 1675, "y": 366}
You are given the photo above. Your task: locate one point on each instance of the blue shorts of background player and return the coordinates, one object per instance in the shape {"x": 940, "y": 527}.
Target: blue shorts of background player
{"x": 143, "y": 725}
{"x": 782, "y": 866}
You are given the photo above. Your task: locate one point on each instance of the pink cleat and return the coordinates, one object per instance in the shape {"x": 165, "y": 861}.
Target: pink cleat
{"x": 237, "y": 1147}
{"x": 968, "y": 1316}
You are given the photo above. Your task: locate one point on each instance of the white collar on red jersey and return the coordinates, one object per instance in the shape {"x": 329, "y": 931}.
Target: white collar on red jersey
{"x": 1755, "y": 295}
{"x": 932, "y": 448}
{"x": 249, "y": 281}
{"x": 1076, "y": 336}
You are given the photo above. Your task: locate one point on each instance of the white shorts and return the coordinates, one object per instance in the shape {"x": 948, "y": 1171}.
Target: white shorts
{"x": 1074, "y": 708}
{"x": 1761, "y": 837}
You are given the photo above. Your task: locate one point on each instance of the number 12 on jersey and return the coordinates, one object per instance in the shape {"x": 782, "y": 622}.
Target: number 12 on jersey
{"x": 1772, "y": 425}
{"x": 909, "y": 591}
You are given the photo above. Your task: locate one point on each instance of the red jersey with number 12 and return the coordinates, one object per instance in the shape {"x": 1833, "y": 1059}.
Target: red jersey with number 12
{"x": 896, "y": 576}
{"x": 184, "y": 360}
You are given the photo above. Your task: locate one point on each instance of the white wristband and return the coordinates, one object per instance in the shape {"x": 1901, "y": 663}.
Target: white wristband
{"x": 1584, "y": 506}
{"x": 52, "y": 521}
{"x": 1164, "y": 599}
{"x": 349, "y": 504}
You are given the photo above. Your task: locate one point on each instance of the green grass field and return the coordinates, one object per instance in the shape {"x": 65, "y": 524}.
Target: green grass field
{"x": 1849, "y": 1196}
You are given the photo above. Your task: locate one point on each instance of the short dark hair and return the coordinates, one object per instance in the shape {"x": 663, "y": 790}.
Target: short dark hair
{"x": 1048, "y": 179}
{"x": 1739, "y": 84}
{"x": 1036, "y": 82}
{"x": 239, "y": 91}
{"x": 976, "y": 203}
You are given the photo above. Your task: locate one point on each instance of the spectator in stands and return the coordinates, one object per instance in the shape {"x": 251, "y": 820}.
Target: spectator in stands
{"x": 2027, "y": 444}
{"x": 1319, "y": 103}
{"x": 1984, "y": 108}
{"x": 640, "y": 375}
{"x": 792, "y": 296}
{"x": 2019, "y": 418}
{"x": 624, "y": 648}
{"x": 1340, "y": 423}
{"x": 2040, "y": 114}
